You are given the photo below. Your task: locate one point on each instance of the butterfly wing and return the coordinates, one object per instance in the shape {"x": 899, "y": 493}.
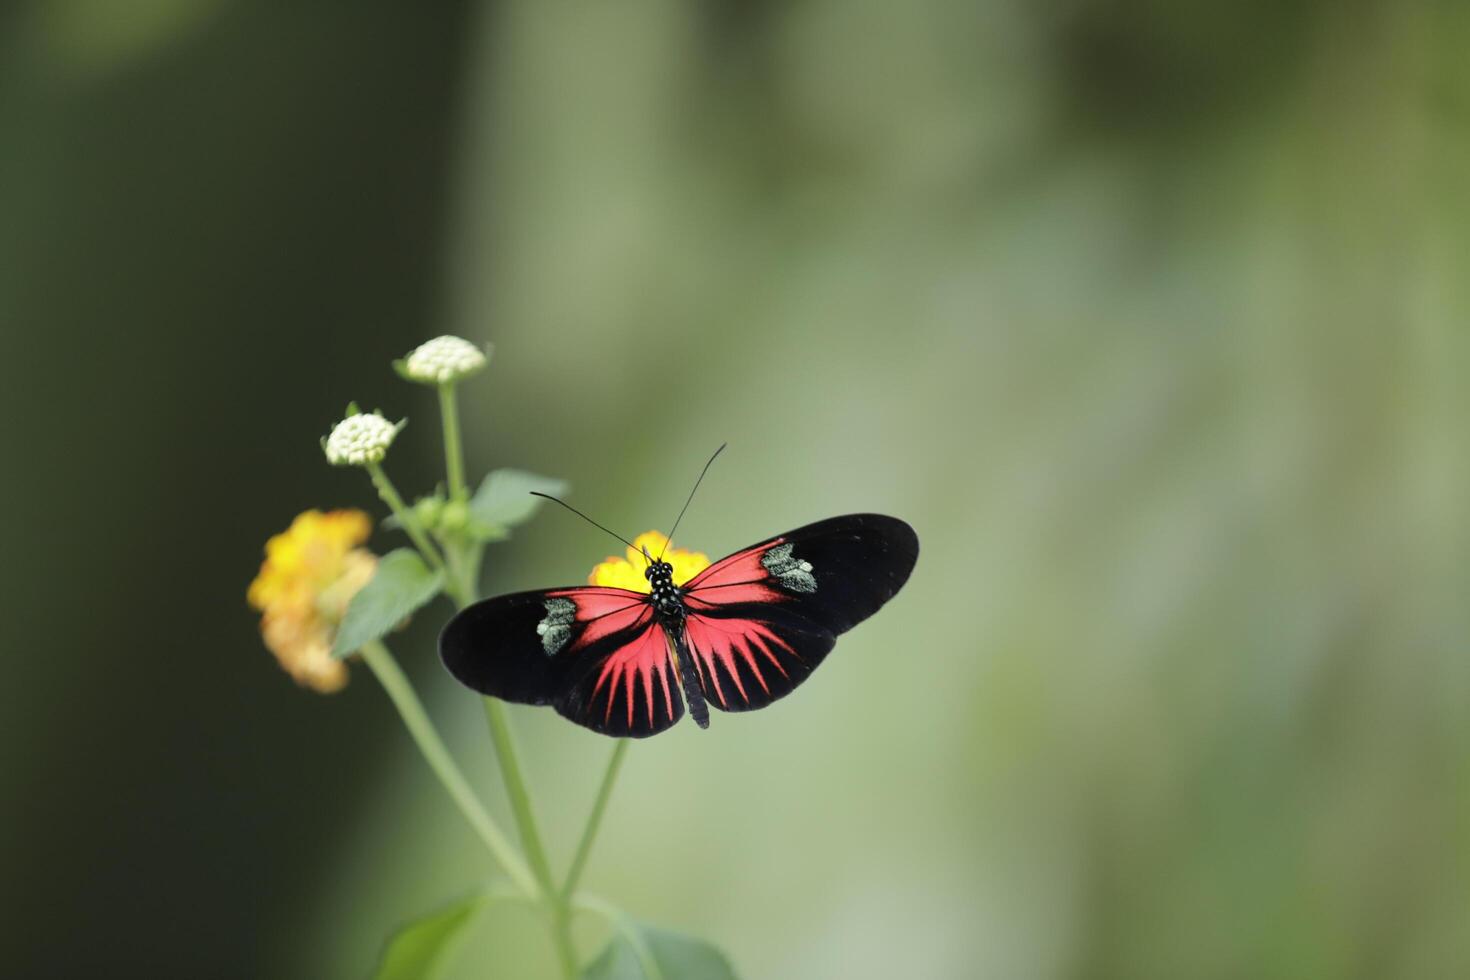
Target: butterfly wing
{"x": 761, "y": 620}
{"x": 596, "y": 654}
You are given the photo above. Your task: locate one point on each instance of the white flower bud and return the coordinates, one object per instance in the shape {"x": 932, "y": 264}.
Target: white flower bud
{"x": 360, "y": 439}
{"x": 442, "y": 360}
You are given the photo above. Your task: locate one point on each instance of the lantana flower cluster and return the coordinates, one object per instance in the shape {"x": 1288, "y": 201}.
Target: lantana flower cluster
{"x": 310, "y": 573}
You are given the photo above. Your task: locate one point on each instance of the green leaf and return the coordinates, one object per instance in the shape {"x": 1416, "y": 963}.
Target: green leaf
{"x": 504, "y": 498}
{"x": 401, "y": 584}
{"x": 643, "y": 952}
{"x": 419, "y": 949}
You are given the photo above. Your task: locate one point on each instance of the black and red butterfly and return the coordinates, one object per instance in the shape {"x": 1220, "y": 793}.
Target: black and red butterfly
{"x": 740, "y": 634}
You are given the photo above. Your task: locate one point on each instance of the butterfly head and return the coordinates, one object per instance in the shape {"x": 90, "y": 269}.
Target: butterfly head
{"x": 659, "y": 571}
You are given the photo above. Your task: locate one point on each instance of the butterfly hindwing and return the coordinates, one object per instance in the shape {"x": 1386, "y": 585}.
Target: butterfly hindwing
{"x": 596, "y": 654}
{"x": 760, "y": 620}
{"x": 747, "y": 655}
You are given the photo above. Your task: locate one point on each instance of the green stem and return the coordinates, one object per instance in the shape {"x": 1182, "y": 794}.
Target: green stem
{"x": 525, "y": 817}
{"x": 453, "y": 448}
{"x": 561, "y": 939}
{"x": 460, "y": 583}
{"x": 406, "y": 517}
{"x": 456, "y": 578}
{"x": 515, "y": 788}
{"x": 432, "y": 746}
{"x": 594, "y": 819}
{"x": 458, "y": 557}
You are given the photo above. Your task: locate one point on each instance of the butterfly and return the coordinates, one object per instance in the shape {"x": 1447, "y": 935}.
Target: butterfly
{"x": 744, "y": 632}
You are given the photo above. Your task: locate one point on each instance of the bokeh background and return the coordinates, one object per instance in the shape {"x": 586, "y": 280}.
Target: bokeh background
{"x": 1151, "y": 316}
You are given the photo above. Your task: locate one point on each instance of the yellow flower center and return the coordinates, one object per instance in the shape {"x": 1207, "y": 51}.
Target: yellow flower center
{"x": 627, "y": 573}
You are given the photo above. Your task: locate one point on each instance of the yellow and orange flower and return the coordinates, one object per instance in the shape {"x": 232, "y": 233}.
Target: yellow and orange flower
{"x": 627, "y": 573}
{"x": 310, "y": 573}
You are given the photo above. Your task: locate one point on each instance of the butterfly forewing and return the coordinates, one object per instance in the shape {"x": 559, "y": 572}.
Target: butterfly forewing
{"x": 494, "y": 647}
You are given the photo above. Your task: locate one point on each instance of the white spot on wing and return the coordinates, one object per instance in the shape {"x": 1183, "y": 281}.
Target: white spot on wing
{"x": 556, "y": 628}
{"x": 794, "y": 574}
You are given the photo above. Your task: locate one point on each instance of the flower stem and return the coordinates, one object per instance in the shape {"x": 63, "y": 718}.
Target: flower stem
{"x": 515, "y": 788}
{"x": 401, "y": 692}
{"x": 406, "y": 517}
{"x": 460, "y": 581}
{"x": 459, "y": 559}
{"x": 525, "y": 817}
{"x": 453, "y": 448}
{"x": 594, "y": 819}
{"x": 561, "y": 939}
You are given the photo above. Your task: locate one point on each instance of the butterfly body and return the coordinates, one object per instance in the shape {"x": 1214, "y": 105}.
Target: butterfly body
{"x": 668, "y": 605}
{"x": 689, "y": 680}
{"x": 742, "y": 633}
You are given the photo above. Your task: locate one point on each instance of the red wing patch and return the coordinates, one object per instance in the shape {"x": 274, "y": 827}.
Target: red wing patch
{"x": 596, "y": 600}
{"x": 737, "y": 578}
{"x": 639, "y": 667}
{"x": 749, "y": 656}
{"x": 603, "y": 612}
{"x": 742, "y": 647}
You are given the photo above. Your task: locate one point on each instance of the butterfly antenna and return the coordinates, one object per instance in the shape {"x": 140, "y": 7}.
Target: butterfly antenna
{"x": 686, "y": 502}
{"x": 537, "y": 493}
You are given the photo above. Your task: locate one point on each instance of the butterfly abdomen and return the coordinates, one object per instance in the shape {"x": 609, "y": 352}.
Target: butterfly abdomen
{"x": 693, "y": 693}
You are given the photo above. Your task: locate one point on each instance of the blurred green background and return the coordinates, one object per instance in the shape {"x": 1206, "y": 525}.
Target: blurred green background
{"x": 1150, "y": 316}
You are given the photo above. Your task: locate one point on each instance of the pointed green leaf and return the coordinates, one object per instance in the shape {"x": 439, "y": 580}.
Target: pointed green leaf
{"x": 643, "y": 952}
{"x": 401, "y": 584}
{"x": 418, "y": 951}
{"x": 504, "y": 498}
